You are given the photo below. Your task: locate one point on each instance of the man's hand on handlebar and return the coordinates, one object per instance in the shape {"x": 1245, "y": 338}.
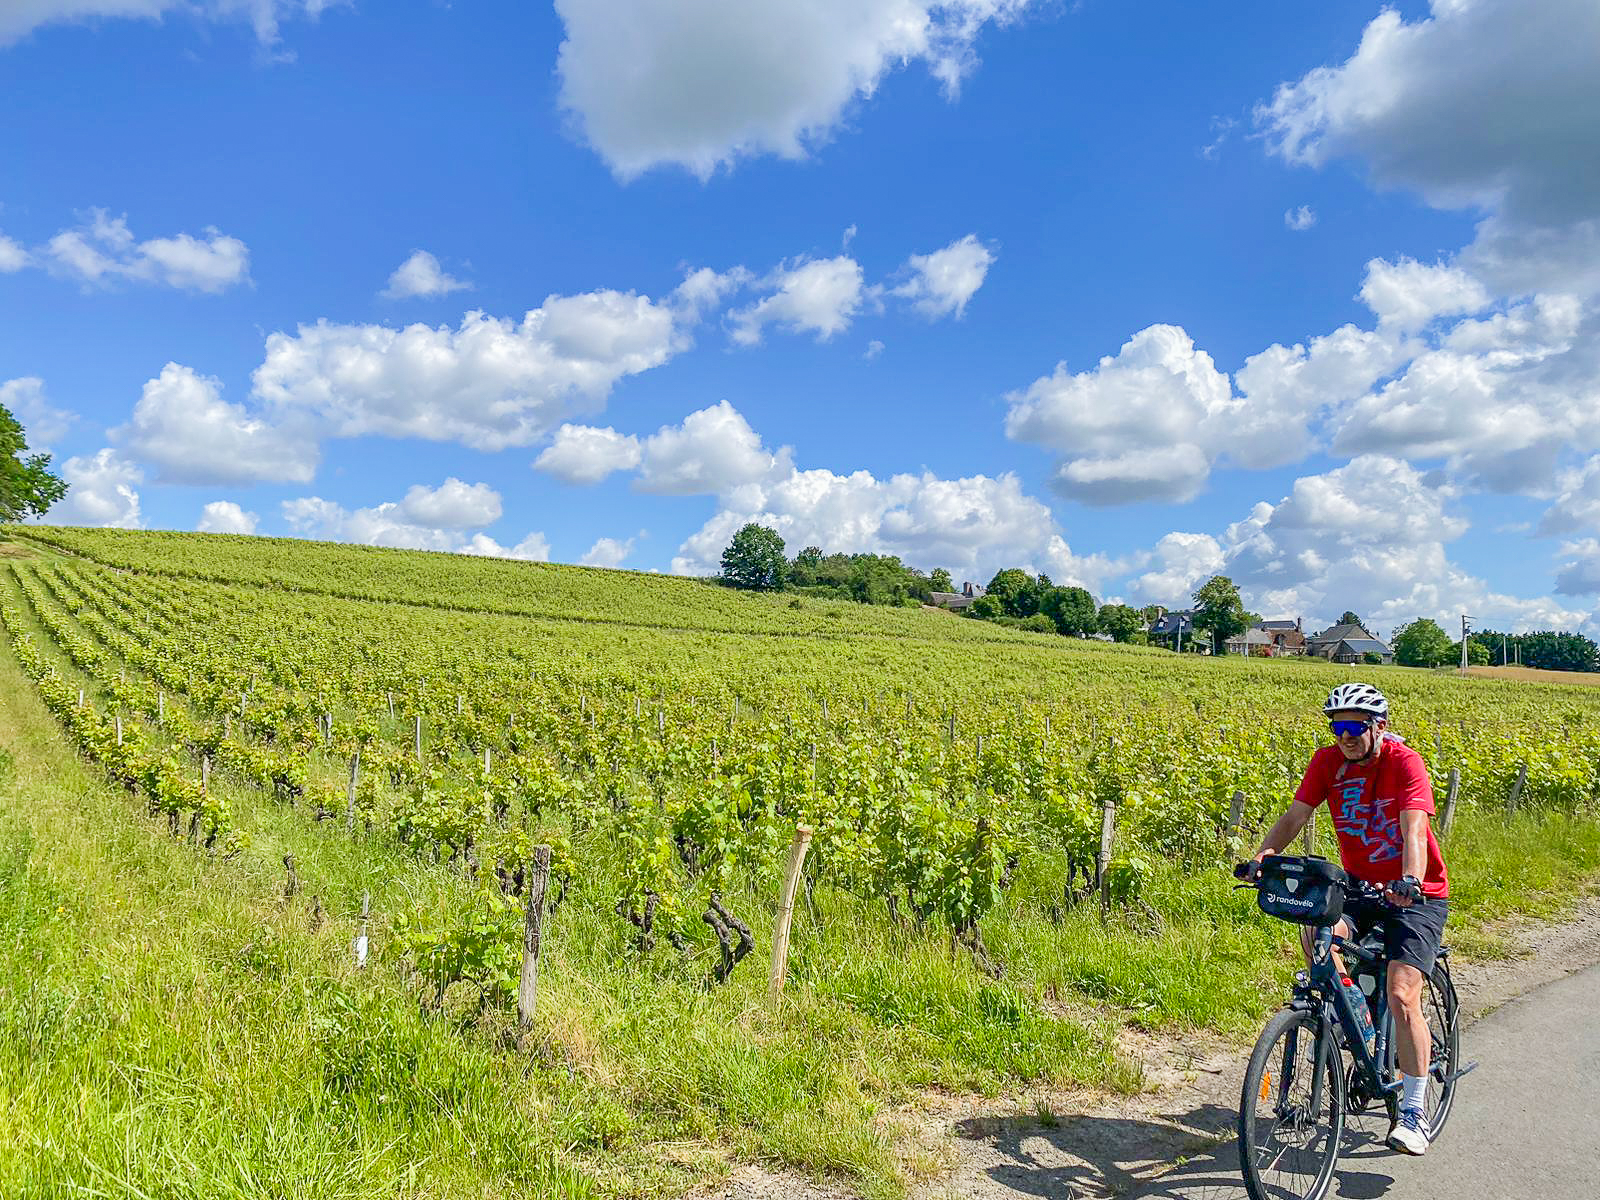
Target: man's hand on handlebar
{"x": 1404, "y": 892}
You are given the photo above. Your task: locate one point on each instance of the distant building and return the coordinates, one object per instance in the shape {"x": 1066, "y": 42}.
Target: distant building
{"x": 956, "y": 601}
{"x": 1270, "y": 639}
{"x": 1348, "y": 643}
{"x": 1175, "y": 629}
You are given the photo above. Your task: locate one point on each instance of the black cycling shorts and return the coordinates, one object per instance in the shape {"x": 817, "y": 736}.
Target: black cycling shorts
{"x": 1410, "y": 935}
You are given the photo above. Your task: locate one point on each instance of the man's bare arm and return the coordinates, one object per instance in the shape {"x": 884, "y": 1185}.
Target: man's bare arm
{"x": 1414, "y": 849}
{"x": 1285, "y": 829}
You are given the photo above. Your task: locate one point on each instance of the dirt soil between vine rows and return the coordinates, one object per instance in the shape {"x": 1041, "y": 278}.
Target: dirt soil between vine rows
{"x": 1089, "y": 1146}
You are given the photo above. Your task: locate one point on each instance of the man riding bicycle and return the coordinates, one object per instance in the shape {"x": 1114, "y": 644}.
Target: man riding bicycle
{"x": 1381, "y": 798}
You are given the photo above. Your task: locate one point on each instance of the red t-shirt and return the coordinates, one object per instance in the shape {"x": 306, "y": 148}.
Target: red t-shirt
{"x": 1366, "y": 801}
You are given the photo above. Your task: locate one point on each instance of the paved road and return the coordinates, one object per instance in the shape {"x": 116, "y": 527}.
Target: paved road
{"x": 1526, "y": 1125}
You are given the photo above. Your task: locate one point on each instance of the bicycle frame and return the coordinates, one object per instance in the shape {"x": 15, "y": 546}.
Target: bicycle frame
{"x": 1321, "y": 991}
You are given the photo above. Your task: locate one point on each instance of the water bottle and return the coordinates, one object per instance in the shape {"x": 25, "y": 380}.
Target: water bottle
{"x": 1358, "y": 1002}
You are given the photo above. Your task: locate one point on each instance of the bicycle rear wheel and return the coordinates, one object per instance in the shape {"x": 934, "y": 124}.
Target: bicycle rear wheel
{"x": 1289, "y": 1137}
{"x": 1442, "y": 1011}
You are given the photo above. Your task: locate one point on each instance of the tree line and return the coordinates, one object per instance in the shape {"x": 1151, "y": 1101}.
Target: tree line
{"x": 1423, "y": 643}
{"x": 755, "y": 560}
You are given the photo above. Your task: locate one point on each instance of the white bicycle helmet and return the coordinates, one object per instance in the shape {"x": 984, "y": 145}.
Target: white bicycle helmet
{"x": 1357, "y": 697}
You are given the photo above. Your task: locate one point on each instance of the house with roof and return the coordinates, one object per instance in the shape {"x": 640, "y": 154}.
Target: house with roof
{"x": 1175, "y": 630}
{"x": 956, "y": 601}
{"x": 1349, "y": 643}
{"x": 1269, "y": 639}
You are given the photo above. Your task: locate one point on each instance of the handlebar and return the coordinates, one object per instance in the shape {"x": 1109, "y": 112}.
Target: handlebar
{"x": 1354, "y": 889}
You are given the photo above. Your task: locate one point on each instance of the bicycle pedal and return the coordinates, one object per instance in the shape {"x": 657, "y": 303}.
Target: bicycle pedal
{"x": 1455, "y": 1075}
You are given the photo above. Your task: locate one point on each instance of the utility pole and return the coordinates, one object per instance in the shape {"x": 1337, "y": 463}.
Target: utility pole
{"x": 1466, "y": 627}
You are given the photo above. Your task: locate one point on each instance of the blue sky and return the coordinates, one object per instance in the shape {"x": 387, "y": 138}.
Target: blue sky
{"x": 1126, "y": 293}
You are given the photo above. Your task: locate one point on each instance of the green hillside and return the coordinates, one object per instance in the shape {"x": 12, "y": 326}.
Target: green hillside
{"x": 666, "y": 738}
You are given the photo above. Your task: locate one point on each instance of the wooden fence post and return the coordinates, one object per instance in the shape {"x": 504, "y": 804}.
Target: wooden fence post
{"x": 1308, "y": 839}
{"x": 119, "y": 729}
{"x": 1516, "y": 789}
{"x": 350, "y": 794}
{"x": 1102, "y": 862}
{"x": 1235, "y": 814}
{"x": 780, "y": 928}
{"x": 205, "y": 774}
{"x": 532, "y": 933}
{"x": 390, "y": 697}
{"x": 1449, "y": 817}
{"x": 418, "y": 735}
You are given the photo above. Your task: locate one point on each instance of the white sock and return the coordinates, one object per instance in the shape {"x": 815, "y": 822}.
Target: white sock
{"x": 1413, "y": 1091}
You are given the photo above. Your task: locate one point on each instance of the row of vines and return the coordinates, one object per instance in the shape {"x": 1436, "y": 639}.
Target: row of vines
{"x": 675, "y": 763}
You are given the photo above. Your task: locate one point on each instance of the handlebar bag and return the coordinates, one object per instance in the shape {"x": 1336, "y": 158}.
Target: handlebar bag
{"x": 1307, "y": 891}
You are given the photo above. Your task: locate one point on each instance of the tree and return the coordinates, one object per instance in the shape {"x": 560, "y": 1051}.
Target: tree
{"x": 1152, "y": 613}
{"x": 1016, "y": 593}
{"x": 1349, "y": 618}
{"x": 1424, "y": 644}
{"x": 1477, "y": 653}
{"x": 1120, "y": 621}
{"x": 803, "y": 570}
{"x": 940, "y": 580}
{"x": 27, "y": 488}
{"x": 1072, "y": 609}
{"x": 1219, "y": 610}
{"x": 878, "y": 580}
{"x": 985, "y": 608}
{"x": 754, "y": 559}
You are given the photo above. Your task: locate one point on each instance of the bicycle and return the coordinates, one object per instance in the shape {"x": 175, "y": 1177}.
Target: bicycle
{"x": 1297, "y": 1089}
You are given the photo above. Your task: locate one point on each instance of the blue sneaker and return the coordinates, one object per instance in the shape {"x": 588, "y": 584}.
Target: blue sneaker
{"x": 1410, "y": 1132}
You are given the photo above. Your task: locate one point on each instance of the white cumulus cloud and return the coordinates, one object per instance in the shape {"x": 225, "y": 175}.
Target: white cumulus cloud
{"x": 607, "y": 552}
{"x": 13, "y": 257}
{"x": 421, "y": 275}
{"x": 43, "y": 424}
{"x": 711, "y": 452}
{"x": 452, "y": 505}
{"x": 1409, "y": 294}
{"x": 941, "y": 283}
{"x": 224, "y": 516}
{"x": 820, "y": 296}
{"x": 1300, "y": 219}
{"x": 426, "y": 519}
{"x": 183, "y": 427}
{"x": 700, "y": 83}
{"x": 583, "y": 454}
{"x": 489, "y": 384}
{"x": 104, "y": 251}
{"x": 1487, "y": 105}
{"x": 18, "y": 18}
{"x": 102, "y": 490}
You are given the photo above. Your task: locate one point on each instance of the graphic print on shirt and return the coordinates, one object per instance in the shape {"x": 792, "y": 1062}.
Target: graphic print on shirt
{"x": 1368, "y": 822}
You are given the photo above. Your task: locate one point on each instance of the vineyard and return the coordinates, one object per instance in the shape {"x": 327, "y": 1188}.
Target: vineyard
{"x": 967, "y": 786}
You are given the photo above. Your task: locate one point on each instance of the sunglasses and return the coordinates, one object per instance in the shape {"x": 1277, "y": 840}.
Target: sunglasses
{"x": 1350, "y": 728}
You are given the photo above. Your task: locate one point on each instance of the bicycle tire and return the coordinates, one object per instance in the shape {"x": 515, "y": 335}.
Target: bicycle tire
{"x": 1442, "y": 1010}
{"x": 1320, "y": 1133}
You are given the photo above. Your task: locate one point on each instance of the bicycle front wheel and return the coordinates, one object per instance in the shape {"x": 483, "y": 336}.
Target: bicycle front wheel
{"x": 1291, "y": 1116}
